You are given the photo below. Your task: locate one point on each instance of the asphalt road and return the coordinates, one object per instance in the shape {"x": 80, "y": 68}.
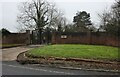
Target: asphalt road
{"x": 14, "y": 68}
{"x": 11, "y": 67}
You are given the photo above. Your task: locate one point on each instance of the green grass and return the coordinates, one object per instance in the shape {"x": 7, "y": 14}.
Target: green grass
{"x": 76, "y": 51}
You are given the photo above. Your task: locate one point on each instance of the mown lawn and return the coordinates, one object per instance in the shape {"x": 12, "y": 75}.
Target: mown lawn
{"x": 76, "y": 51}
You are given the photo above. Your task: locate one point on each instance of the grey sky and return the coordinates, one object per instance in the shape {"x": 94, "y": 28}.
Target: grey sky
{"x": 9, "y": 10}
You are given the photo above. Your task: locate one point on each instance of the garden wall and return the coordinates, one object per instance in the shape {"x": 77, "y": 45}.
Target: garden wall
{"x": 17, "y": 38}
{"x": 94, "y": 38}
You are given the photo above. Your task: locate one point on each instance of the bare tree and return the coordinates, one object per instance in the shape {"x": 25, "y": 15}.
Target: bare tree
{"x": 33, "y": 15}
{"x": 110, "y": 19}
{"x": 39, "y": 15}
{"x": 105, "y": 16}
{"x": 116, "y": 16}
{"x": 116, "y": 9}
{"x": 57, "y": 20}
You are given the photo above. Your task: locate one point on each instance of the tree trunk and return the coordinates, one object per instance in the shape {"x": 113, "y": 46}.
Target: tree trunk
{"x": 40, "y": 36}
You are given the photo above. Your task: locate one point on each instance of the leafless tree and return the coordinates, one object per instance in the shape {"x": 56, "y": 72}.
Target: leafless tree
{"x": 32, "y": 14}
{"x": 56, "y": 19}
{"x": 110, "y": 19}
{"x": 104, "y": 17}
{"x": 116, "y": 9}
{"x": 36, "y": 15}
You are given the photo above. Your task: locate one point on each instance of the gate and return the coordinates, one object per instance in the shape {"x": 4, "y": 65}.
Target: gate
{"x": 45, "y": 37}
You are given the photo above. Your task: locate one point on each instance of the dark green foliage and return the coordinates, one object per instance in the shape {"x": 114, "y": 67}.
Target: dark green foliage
{"x": 4, "y": 32}
{"x": 82, "y": 21}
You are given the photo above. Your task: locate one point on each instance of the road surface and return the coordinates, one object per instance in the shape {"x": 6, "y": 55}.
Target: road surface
{"x": 11, "y": 67}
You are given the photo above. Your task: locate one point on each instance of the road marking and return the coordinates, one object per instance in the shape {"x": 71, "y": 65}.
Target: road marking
{"x": 39, "y": 69}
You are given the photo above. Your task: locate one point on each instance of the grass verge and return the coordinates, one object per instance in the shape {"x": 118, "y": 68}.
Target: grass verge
{"x": 76, "y": 51}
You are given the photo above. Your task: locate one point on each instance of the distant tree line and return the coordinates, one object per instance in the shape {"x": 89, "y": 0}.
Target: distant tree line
{"x": 41, "y": 15}
{"x": 82, "y": 23}
{"x": 44, "y": 17}
{"x": 110, "y": 19}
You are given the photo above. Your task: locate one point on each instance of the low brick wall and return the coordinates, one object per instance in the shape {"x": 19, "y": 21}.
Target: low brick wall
{"x": 94, "y": 38}
{"x": 17, "y": 38}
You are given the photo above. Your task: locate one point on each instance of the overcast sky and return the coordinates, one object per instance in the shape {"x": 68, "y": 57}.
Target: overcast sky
{"x": 9, "y": 10}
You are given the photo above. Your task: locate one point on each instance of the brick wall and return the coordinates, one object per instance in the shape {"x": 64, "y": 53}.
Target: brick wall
{"x": 100, "y": 38}
{"x": 17, "y": 38}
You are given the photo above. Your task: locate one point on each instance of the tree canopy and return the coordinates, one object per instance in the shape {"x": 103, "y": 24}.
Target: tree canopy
{"x": 39, "y": 15}
{"x": 110, "y": 20}
{"x": 82, "y": 20}
{"x": 4, "y": 32}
